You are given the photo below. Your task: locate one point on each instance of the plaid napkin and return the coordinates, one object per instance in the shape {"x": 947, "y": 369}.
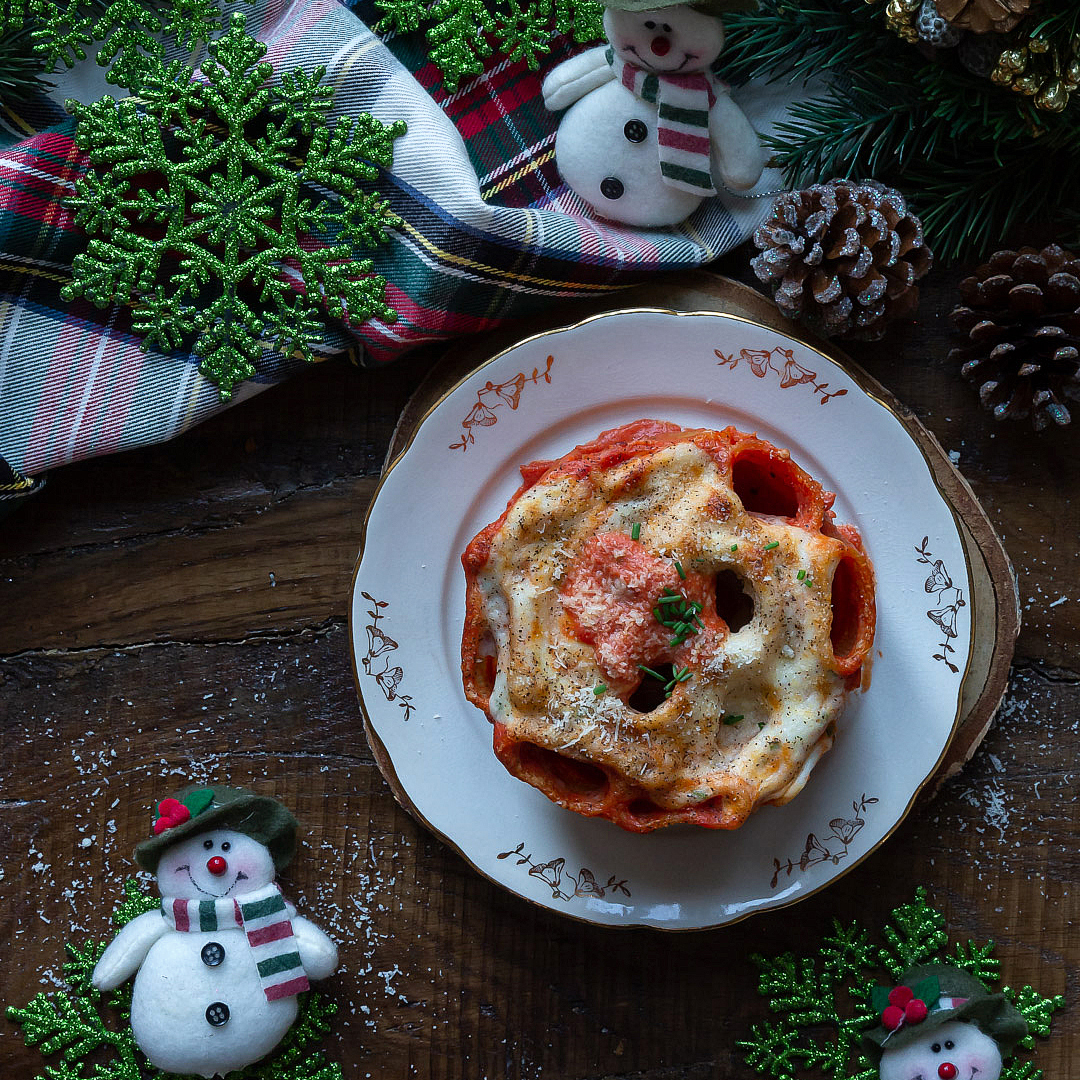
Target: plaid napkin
{"x": 490, "y": 232}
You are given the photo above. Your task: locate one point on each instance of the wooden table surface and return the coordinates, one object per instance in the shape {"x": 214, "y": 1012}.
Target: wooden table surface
{"x": 179, "y": 613}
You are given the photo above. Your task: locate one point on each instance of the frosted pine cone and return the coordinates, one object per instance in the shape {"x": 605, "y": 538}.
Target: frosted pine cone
{"x": 1021, "y": 315}
{"x": 843, "y": 255}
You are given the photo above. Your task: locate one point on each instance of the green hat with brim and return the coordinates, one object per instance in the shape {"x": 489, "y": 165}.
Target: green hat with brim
{"x": 197, "y": 809}
{"x": 706, "y": 7}
{"x": 993, "y": 1014}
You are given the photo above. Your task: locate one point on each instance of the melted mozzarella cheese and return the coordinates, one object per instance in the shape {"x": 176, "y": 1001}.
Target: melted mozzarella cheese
{"x": 776, "y": 672}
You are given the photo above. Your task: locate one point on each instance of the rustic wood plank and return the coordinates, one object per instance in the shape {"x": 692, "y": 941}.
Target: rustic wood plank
{"x": 458, "y": 975}
{"x": 445, "y": 976}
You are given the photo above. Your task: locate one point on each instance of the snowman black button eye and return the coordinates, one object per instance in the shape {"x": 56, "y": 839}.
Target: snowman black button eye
{"x": 226, "y": 845}
{"x": 611, "y": 188}
{"x": 208, "y": 844}
{"x": 936, "y": 1048}
{"x": 949, "y": 1044}
{"x": 636, "y": 131}
{"x": 666, "y": 28}
{"x": 650, "y": 25}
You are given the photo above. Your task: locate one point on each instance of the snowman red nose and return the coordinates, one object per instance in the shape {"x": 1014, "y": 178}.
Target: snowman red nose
{"x": 947, "y": 1070}
{"x": 660, "y": 45}
{"x": 216, "y": 865}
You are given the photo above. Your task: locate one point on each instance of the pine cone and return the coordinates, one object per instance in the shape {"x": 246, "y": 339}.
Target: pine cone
{"x": 1021, "y": 314}
{"x": 984, "y": 16}
{"x": 844, "y": 255}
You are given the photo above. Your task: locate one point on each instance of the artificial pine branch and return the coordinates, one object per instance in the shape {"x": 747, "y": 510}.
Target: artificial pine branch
{"x": 973, "y": 158}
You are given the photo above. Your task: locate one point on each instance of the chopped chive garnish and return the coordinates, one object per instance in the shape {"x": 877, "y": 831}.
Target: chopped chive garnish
{"x": 598, "y": 690}
{"x": 730, "y": 720}
{"x": 774, "y": 544}
{"x": 801, "y": 574}
{"x": 761, "y": 724}
{"x": 649, "y": 671}
{"x": 809, "y": 583}
{"x": 734, "y": 547}
{"x": 682, "y": 572}
{"x": 677, "y": 613}
{"x": 635, "y": 531}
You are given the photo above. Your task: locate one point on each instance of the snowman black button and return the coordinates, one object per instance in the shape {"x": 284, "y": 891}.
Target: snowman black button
{"x": 217, "y": 1014}
{"x": 635, "y": 131}
{"x": 212, "y": 954}
{"x": 611, "y": 187}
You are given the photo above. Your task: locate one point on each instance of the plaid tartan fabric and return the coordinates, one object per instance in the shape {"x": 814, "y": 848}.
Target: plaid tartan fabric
{"x": 490, "y": 232}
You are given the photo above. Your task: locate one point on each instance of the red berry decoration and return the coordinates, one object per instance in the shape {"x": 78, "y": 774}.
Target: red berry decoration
{"x": 171, "y": 813}
{"x": 915, "y": 1011}
{"x": 947, "y": 1070}
{"x": 900, "y": 996}
{"x": 892, "y": 1017}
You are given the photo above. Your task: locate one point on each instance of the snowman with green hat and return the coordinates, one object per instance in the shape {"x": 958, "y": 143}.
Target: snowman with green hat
{"x": 941, "y": 1023}
{"x": 218, "y": 967}
{"x": 649, "y": 131}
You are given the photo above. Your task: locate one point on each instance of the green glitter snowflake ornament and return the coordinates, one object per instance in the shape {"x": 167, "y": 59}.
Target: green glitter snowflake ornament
{"x": 78, "y": 1026}
{"x": 230, "y": 211}
{"x": 523, "y": 29}
{"x": 822, "y": 1004}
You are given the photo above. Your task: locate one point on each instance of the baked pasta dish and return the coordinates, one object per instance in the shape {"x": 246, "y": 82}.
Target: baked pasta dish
{"x": 662, "y": 626}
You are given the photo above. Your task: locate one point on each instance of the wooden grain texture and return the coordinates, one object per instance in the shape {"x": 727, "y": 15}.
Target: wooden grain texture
{"x": 144, "y": 643}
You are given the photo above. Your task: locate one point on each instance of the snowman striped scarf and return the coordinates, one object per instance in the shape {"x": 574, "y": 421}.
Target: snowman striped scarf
{"x": 265, "y": 917}
{"x": 682, "y": 131}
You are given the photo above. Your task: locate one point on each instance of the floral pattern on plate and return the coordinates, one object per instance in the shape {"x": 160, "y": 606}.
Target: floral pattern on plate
{"x": 697, "y": 370}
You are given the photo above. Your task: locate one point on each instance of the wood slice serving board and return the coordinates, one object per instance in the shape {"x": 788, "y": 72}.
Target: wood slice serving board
{"x": 993, "y": 579}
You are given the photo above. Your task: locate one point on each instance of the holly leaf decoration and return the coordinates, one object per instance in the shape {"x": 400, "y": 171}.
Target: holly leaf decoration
{"x": 927, "y": 990}
{"x": 197, "y": 801}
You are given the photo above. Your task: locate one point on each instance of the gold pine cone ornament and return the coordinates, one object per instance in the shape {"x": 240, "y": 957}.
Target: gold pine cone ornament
{"x": 984, "y": 16}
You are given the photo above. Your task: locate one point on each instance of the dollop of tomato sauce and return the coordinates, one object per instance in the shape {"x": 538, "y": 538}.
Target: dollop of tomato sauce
{"x": 610, "y": 592}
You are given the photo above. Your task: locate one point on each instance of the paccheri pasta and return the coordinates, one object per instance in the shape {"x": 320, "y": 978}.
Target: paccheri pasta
{"x": 663, "y": 624}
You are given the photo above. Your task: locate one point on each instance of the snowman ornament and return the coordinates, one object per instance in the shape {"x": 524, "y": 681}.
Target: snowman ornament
{"x": 649, "y": 131}
{"x": 218, "y": 967}
{"x": 941, "y": 1023}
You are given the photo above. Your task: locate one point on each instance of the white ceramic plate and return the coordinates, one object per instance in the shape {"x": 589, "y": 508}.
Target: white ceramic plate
{"x": 538, "y": 400}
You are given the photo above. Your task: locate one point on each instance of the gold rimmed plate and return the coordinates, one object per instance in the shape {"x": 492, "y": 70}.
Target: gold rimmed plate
{"x": 538, "y": 399}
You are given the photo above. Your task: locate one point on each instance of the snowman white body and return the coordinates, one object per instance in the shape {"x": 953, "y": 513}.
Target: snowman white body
{"x": 952, "y": 1051}
{"x": 182, "y": 980}
{"x": 606, "y": 146}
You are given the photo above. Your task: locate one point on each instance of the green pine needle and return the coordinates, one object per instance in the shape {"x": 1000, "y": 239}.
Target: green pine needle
{"x": 973, "y": 159}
